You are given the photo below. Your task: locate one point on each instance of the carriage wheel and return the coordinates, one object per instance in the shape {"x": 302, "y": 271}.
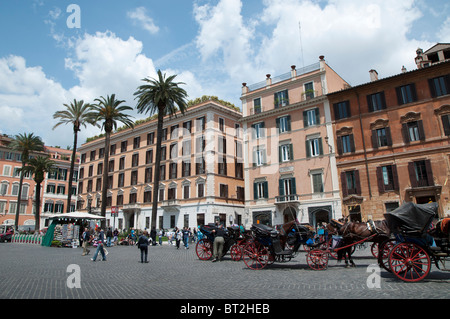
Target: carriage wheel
{"x": 384, "y": 249}
{"x": 409, "y": 262}
{"x": 204, "y": 249}
{"x": 236, "y": 252}
{"x": 317, "y": 259}
{"x": 255, "y": 255}
{"x": 374, "y": 249}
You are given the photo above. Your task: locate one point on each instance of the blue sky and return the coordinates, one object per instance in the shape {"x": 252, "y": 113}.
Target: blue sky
{"x": 213, "y": 46}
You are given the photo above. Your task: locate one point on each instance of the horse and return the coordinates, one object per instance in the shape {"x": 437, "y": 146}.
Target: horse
{"x": 352, "y": 232}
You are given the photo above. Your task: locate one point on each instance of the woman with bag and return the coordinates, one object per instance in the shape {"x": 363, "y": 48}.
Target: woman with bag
{"x": 143, "y": 246}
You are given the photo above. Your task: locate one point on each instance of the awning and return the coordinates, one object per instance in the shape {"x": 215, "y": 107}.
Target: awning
{"x": 73, "y": 215}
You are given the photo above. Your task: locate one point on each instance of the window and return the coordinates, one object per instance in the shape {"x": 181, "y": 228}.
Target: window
{"x": 136, "y": 142}
{"x": 132, "y": 198}
{"x": 123, "y": 146}
{"x": 134, "y": 178}
{"x": 164, "y": 134}
{"x": 342, "y": 110}
{"x": 439, "y": 86}
{"x": 223, "y": 191}
{"x": 185, "y": 169}
{"x": 173, "y": 170}
{"x": 172, "y": 193}
{"x": 200, "y": 124}
{"x": 317, "y": 182}
{"x": 162, "y": 172}
{"x": 187, "y": 128}
{"x": 240, "y": 193}
{"x": 387, "y": 178}
{"x": 149, "y": 156}
{"x": 222, "y": 168}
{"x": 148, "y": 175}
{"x": 186, "y": 189}
{"x": 99, "y": 168}
{"x": 287, "y": 187}
{"x": 309, "y": 90}
{"x": 258, "y": 130}
{"x": 92, "y": 156}
{"x": 314, "y": 147}
{"x": 51, "y": 188}
{"x": 173, "y": 151}
{"x": 284, "y": 124}
{"x": 25, "y": 189}
{"x": 111, "y": 166}
{"x": 406, "y": 94}
{"x": 200, "y": 144}
{"x": 259, "y": 157}
{"x": 350, "y": 183}
{"x": 135, "y": 160}
{"x": 200, "y": 190}
{"x": 281, "y": 98}
{"x": 6, "y": 170}
{"x": 112, "y": 150}
{"x": 119, "y": 200}
{"x": 413, "y": 131}
{"x": 261, "y": 190}
{"x": 101, "y": 153}
{"x": 174, "y": 131}
{"x": 420, "y": 173}
{"x": 345, "y": 144}
{"x": 15, "y": 189}
{"x": 376, "y": 101}
{"x": 311, "y": 117}
{"x": 151, "y": 138}
{"x": 257, "y": 106}
{"x": 238, "y": 169}
{"x": 222, "y": 142}
{"x": 163, "y": 153}
{"x": 4, "y": 188}
{"x": 381, "y": 137}
{"x": 200, "y": 166}
{"x": 286, "y": 153}
{"x": 221, "y": 124}
{"x": 147, "y": 196}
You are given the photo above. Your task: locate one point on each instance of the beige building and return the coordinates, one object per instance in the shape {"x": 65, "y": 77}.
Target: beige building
{"x": 290, "y": 169}
{"x": 201, "y": 171}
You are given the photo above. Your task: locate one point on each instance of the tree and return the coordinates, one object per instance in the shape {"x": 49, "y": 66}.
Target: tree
{"x": 78, "y": 114}
{"x": 160, "y": 96}
{"x": 109, "y": 112}
{"x": 37, "y": 167}
{"x": 26, "y": 144}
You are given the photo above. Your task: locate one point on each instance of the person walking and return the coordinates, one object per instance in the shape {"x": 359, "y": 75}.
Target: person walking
{"x": 116, "y": 235}
{"x": 160, "y": 236}
{"x": 143, "y": 246}
{"x": 100, "y": 248}
{"x": 86, "y": 239}
{"x": 186, "y": 234}
{"x": 178, "y": 236}
{"x": 219, "y": 242}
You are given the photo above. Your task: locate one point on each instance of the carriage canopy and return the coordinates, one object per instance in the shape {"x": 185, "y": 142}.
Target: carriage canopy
{"x": 411, "y": 218}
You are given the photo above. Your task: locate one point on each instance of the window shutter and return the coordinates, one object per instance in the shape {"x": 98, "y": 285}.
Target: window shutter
{"x": 275, "y": 102}
{"x": 344, "y": 184}
{"x": 412, "y": 174}
{"x": 380, "y": 180}
{"x": 305, "y": 119}
{"x": 374, "y": 139}
{"x": 399, "y": 95}
{"x": 405, "y": 133}
{"x": 293, "y": 186}
{"x": 369, "y": 102}
{"x": 388, "y": 136}
{"x": 395, "y": 177}
{"x": 317, "y": 116}
{"x": 255, "y": 191}
{"x": 421, "y": 130}
{"x": 308, "y": 148}
{"x": 336, "y": 111}
{"x": 278, "y": 124}
{"x": 432, "y": 88}
{"x": 281, "y": 187}
{"x": 320, "y": 147}
{"x": 266, "y": 189}
{"x": 347, "y": 106}
{"x": 352, "y": 143}
{"x": 291, "y": 152}
{"x": 339, "y": 145}
{"x": 280, "y": 154}
{"x": 289, "y": 123}
{"x": 413, "y": 91}
{"x": 383, "y": 100}
{"x": 446, "y": 124}
{"x": 429, "y": 173}
{"x": 358, "y": 183}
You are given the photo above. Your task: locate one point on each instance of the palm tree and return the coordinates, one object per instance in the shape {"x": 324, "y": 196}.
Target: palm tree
{"x": 77, "y": 113}
{"x": 160, "y": 96}
{"x": 25, "y": 143}
{"x": 109, "y": 111}
{"x": 38, "y": 166}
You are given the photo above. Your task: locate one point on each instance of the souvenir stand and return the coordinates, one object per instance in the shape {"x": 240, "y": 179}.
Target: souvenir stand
{"x": 66, "y": 228}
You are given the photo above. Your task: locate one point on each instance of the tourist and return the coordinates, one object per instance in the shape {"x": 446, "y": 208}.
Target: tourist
{"x": 143, "y": 246}
{"x": 100, "y": 248}
{"x": 109, "y": 236}
{"x": 219, "y": 242}
{"x": 86, "y": 240}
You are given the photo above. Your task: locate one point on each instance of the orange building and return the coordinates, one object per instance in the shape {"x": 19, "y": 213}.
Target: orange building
{"x": 201, "y": 171}
{"x": 54, "y": 188}
{"x": 393, "y": 139}
{"x": 290, "y": 170}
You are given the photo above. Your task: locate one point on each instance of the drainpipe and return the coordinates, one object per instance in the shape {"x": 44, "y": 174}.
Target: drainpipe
{"x": 364, "y": 145}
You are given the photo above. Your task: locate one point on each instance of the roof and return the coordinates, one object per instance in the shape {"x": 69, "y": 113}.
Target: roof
{"x": 438, "y": 47}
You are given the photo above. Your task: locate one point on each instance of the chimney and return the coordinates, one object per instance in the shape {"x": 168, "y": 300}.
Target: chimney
{"x": 244, "y": 88}
{"x": 293, "y": 71}
{"x": 268, "y": 80}
{"x": 373, "y": 75}
{"x": 322, "y": 62}
{"x": 404, "y": 69}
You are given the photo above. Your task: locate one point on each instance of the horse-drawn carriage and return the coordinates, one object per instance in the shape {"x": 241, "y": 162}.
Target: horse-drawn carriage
{"x": 235, "y": 240}
{"x": 416, "y": 242}
{"x": 270, "y": 245}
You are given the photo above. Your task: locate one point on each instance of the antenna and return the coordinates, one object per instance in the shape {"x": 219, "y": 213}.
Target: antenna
{"x": 301, "y": 45}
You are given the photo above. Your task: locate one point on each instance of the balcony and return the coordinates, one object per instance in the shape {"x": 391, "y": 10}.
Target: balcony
{"x": 171, "y": 205}
{"x": 287, "y": 199}
{"x": 132, "y": 206}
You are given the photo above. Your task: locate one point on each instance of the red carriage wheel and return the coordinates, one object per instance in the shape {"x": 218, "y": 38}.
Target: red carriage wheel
{"x": 236, "y": 252}
{"x": 204, "y": 249}
{"x": 409, "y": 262}
{"x": 384, "y": 249}
{"x": 255, "y": 255}
{"x": 317, "y": 259}
{"x": 374, "y": 249}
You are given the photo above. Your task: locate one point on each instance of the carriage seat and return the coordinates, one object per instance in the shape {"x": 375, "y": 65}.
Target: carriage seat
{"x": 265, "y": 230}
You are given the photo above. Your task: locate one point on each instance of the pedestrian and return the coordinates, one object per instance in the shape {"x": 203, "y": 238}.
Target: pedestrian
{"x": 219, "y": 241}
{"x": 143, "y": 246}
{"x": 109, "y": 236}
{"x": 116, "y": 235}
{"x": 100, "y": 248}
{"x": 178, "y": 235}
{"x": 186, "y": 238}
{"x": 199, "y": 234}
{"x": 153, "y": 236}
{"x": 160, "y": 235}
{"x": 86, "y": 239}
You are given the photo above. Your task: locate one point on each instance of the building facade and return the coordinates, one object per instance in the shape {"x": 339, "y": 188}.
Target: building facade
{"x": 290, "y": 170}
{"x": 54, "y": 188}
{"x": 393, "y": 141}
{"x": 201, "y": 171}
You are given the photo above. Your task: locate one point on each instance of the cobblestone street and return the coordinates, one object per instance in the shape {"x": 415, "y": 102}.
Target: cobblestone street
{"x": 36, "y": 272}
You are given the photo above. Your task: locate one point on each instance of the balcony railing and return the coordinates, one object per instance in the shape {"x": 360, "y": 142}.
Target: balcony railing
{"x": 293, "y": 198}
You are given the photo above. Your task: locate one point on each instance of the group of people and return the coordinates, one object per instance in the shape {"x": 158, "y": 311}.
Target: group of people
{"x": 185, "y": 235}
{"x": 98, "y": 238}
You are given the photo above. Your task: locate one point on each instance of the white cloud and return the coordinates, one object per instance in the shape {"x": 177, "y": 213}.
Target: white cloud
{"x": 444, "y": 32}
{"x": 140, "y": 17}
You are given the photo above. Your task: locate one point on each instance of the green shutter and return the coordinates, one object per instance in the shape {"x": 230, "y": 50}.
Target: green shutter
{"x": 293, "y": 186}
{"x": 266, "y": 189}
{"x": 255, "y": 191}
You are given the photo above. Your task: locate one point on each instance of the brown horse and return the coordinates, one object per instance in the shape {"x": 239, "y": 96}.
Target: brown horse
{"x": 353, "y": 232}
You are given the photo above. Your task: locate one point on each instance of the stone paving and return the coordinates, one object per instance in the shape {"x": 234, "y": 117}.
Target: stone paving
{"x": 36, "y": 272}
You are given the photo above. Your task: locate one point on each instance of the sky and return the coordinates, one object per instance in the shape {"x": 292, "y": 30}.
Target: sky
{"x": 55, "y": 51}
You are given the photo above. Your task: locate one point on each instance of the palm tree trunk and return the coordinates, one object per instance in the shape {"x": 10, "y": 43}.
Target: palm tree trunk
{"x": 72, "y": 168}
{"x": 38, "y": 207}
{"x": 157, "y": 172}
{"x": 105, "y": 178}
{"x": 19, "y": 198}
